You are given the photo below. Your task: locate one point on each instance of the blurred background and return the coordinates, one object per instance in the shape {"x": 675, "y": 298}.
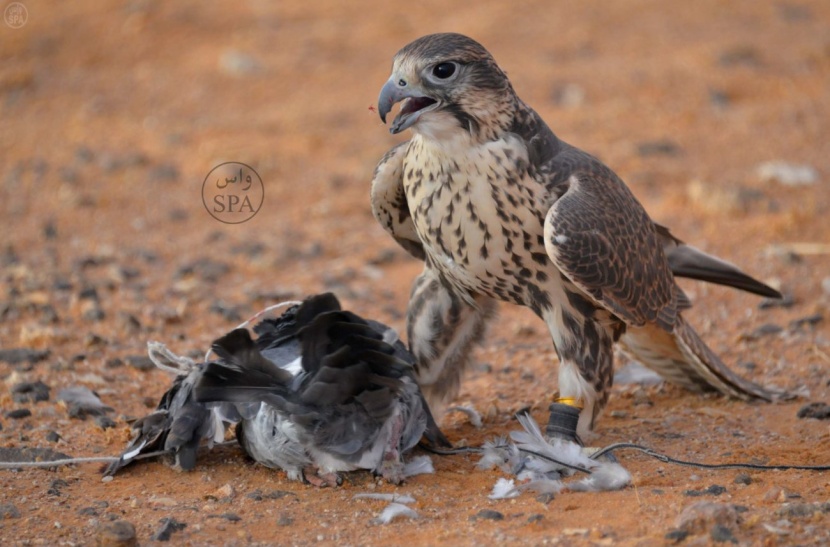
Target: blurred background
{"x": 112, "y": 114}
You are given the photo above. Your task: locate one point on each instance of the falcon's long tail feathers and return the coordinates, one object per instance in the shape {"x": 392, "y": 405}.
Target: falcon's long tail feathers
{"x": 687, "y": 261}
{"x": 683, "y": 359}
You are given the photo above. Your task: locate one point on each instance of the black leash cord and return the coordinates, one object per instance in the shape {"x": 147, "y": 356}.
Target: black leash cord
{"x": 668, "y": 459}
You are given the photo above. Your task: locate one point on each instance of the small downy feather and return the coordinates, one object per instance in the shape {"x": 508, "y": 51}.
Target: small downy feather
{"x": 418, "y": 465}
{"x": 607, "y": 476}
{"x": 393, "y": 511}
{"x": 499, "y": 453}
{"x": 504, "y": 489}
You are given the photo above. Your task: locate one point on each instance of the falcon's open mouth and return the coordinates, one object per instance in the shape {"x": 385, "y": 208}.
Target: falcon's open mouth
{"x": 414, "y": 104}
{"x": 411, "y": 110}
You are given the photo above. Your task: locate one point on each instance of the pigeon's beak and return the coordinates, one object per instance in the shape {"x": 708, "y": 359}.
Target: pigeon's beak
{"x": 416, "y": 103}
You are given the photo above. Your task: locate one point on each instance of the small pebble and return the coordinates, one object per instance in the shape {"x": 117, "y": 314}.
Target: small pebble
{"x": 714, "y": 490}
{"x": 809, "y": 321}
{"x": 18, "y": 413}
{"x": 721, "y": 534}
{"x": 676, "y": 536}
{"x": 545, "y": 498}
{"x": 663, "y": 147}
{"x": 119, "y": 533}
{"x": 787, "y": 301}
{"x": 702, "y": 516}
{"x": 819, "y": 411}
{"x": 8, "y": 511}
{"x": 104, "y": 422}
{"x": 16, "y": 356}
{"x": 169, "y": 526}
{"x": 30, "y": 392}
{"x": 743, "y": 478}
{"x": 487, "y": 514}
{"x": 140, "y": 362}
{"x": 767, "y": 329}
{"x": 285, "y": 520}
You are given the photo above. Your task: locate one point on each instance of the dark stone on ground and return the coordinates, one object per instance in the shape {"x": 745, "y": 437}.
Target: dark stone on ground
{"x": 16, "y": 356}
{"x": 169, "y": 526}
{"x": 677, "y": 536}
{"x": 30, "y": 392}
{"x": 104, "y": 422}
{"x": 140, "y": 362}
{"x": 714, "y": 490}
{"x": 119, "y": 533}
{"x": 808, "y": 321}
{"x": 55, "y": 487}
{"x": 722, "y": 534}
{"x": 819, "y": 411}
{"x": 786, "y": 301}
{"x": 8, "y": 511}
{"x": 285, "y": 520}
{"x": 232, "y": 517}
{"x": 767, "y": 329}
{"x": 18, "y": 413}
{"x": 487, "y": 514}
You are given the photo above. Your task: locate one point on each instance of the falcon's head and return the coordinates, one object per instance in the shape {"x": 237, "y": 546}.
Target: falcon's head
{"x": 447, "y": 82}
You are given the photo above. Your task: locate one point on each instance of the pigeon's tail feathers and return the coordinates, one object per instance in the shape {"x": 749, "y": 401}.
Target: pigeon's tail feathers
{"x": 228, "y": 384}
{"x": 682, "y": 358}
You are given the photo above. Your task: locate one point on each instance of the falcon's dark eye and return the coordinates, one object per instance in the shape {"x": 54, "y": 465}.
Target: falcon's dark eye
{"x": 442, "y": 71}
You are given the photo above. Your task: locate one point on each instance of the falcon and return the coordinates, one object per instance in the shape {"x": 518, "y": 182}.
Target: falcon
{"x": 500, "y": 209}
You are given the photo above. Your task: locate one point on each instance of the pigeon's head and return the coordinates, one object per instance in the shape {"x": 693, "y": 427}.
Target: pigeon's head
{"x": 446, "y": 82}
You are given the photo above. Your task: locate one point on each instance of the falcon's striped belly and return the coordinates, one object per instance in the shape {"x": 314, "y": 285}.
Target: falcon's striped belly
{"x": 479, "y": 216}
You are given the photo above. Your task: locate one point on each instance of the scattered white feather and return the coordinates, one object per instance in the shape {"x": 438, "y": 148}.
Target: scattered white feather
{"x": 504, "y": 489}
{"x": 529, "y": 457}
{"x": 418, "y": 465}
{"x": 396, "y": 498}
{"x": 532, "y": 440}
{"x": 499, "y": 453}
{"x": 607, "y": 476}
{"x": 393, "y": 511}
{"x": 472, "y": 414}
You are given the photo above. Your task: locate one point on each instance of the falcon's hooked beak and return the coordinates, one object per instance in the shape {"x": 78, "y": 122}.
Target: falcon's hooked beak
{"x": 415, "y": 103}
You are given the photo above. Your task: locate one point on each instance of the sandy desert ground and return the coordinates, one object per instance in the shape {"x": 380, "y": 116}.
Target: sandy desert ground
{"x": 113, "y": 113}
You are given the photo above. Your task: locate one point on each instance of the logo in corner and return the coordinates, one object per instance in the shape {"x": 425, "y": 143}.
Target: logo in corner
{"x": 16, "y": 15}
{"x": 233, "y": 192}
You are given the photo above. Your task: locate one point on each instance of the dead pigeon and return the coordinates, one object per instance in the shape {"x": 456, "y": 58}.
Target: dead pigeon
{"x": 318, "y": 392}
{"x": 322, "y": 391}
